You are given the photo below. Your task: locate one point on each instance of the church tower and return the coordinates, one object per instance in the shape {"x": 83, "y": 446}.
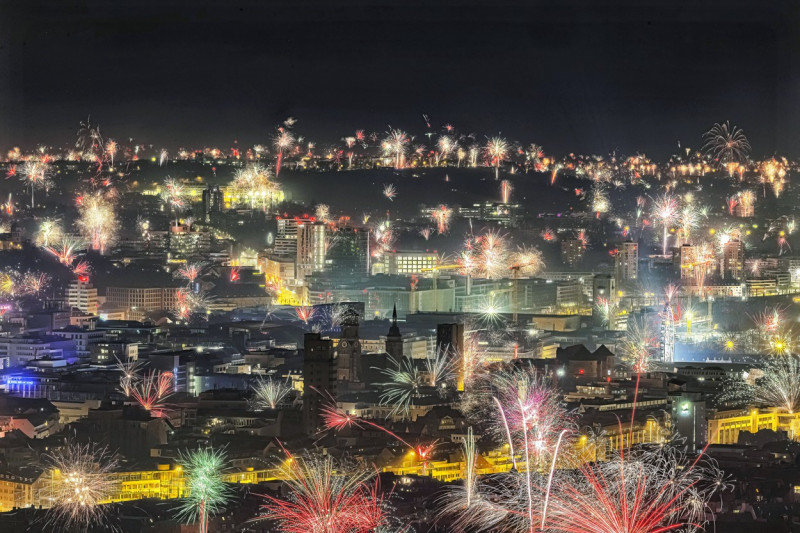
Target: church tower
{"x": 394, "y": 340}
{"x": 349, "y": 349}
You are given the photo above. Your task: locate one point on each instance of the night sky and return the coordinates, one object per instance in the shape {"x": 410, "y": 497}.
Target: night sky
{"x": 574, "y": 76}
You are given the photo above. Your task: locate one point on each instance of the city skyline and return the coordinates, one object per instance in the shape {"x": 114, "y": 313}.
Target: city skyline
{"x": 572, "y": 76}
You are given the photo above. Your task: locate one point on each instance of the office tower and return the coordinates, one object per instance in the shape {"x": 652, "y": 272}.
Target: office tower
{"x": 311, "y": 237}
{"x": 212, "y": 201}
{"x": 733, "y": 260}
{"x": 688, "y": 258}
{"x": 572, "y": 252}
{"x": 348, "y": 255}
{"x": 82, "y": 295}
{"x": 319, "y": 379}
{"x": 450, "y": 340}
{"x": 626, "y": 262}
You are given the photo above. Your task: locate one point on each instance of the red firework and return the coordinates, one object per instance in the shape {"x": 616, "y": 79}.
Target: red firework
{"x": 324, "y": 501}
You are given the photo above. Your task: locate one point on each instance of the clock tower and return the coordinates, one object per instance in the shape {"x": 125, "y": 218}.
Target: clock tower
{"x": 348, "y": 350}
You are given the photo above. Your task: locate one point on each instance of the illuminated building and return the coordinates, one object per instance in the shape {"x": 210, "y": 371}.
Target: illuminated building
{"x": 571, "y": 252}
{"x": 688, "y": 258}
{"x": 667, "y": 340}
{"x": 212, "y": 202}
{"x": 141, "y": 300}
{"x": 187, "y": 242}
{"x": 405, "y": 263}
{"x": 82, "y": 295}
{"x": 689, "y": 418}
{"x": 733, "y": 260}
{"x": 724, "y": 427}
{"x": 348, "y": 257}
{"x": 311, "y": 237}
{"x": 626, "y": 262}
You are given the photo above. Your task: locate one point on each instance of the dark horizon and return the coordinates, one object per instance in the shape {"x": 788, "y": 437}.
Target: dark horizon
{"x": 573, "y": 76}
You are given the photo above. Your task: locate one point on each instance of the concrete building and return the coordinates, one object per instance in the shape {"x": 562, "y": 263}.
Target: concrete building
{"x": 405, "y": 263}
{"x": 82, "y": 295}
{"x": 141, "y": 300}
{"x": 626, "y": 263}
{"x": 572, "y": 252}
{"x": 311, "y": 245}
{"x": 319, "y": 379}
{"x": 22, "y": 349}
{"x": 733, "y": 260}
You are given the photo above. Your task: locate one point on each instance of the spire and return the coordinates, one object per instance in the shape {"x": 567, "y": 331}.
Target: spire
{"x": 394, "y": 331}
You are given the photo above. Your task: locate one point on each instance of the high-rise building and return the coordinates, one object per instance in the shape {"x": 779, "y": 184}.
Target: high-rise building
{"x": 450, "y": 340}
{"x": 689, "y": 418}
{"x": 82, "y": 295}
{"x": 311, "y": 238}
{"x": 604, "y": 292}
{"x": 733, "y": 260}
{"x": 688, "y": 261}
{"x": 626, "y": 262}
{"x": 319, "y": 379}
{"x": 572, "y": 252}
{"x": 212, "y": 201}
{"x": 667, "y": 340}
{"x": 348, "y": 256}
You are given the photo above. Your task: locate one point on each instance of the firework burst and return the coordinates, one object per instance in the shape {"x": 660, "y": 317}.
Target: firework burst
{"x": 81, "y": 481}
{"x": 207, "y": 492}
{"x": 396, "y": 144}
{"x": 726, "y": 143}
{"x": 268, "y": 393}
{"x": 98, "y": 220}
{"x": 152, "y": 390}
{"x": 390, "y": 191}
{"x": 324, "y": 499}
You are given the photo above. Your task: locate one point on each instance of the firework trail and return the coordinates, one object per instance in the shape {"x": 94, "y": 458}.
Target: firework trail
{"x": 425, "y": 233}
{"x": 190, "y": 272}
{"x": 50, "y": 230}
{"x": 305, "y": 313}
{"x": 284, "y": 142}
{"x": 505, "y": 191}
{"x": 665, "y": 210}
{"x": 441, "y": 216}
{"x": 645, "y": 491}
